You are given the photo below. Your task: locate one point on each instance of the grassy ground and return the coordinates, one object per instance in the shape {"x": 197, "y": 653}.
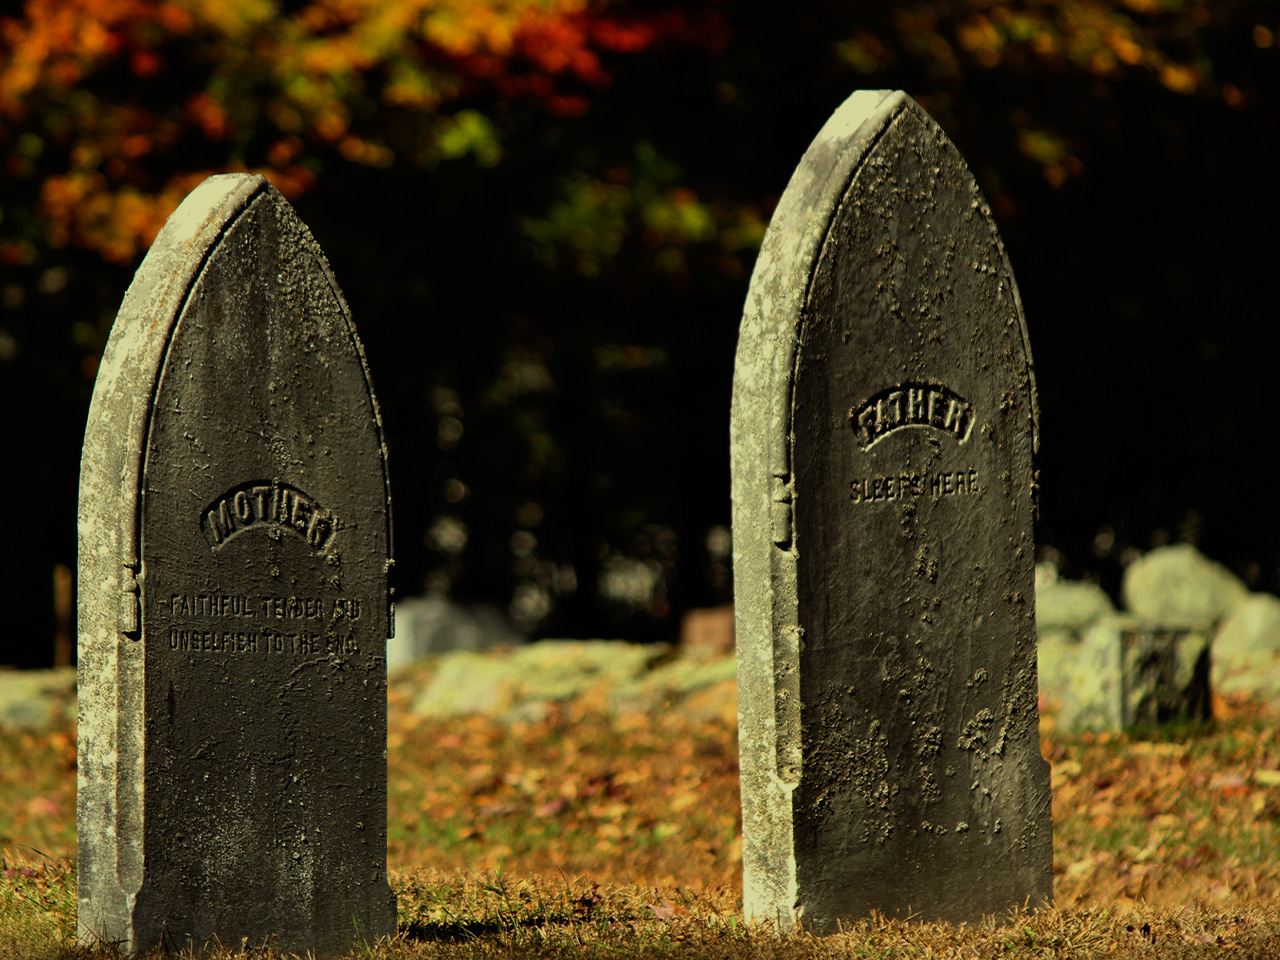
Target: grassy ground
{"x": 599, "y": 834}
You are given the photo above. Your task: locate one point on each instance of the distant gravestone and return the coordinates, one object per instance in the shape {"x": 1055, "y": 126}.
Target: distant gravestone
{"x": 1127, "y": 673}
{"x": 233, "y": 606}
{"x": 883, "y": 428}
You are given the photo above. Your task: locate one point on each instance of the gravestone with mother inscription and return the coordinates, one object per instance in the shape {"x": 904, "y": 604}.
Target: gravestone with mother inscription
{"x": 235, "y": 546}
{"x": 884, "y": 421}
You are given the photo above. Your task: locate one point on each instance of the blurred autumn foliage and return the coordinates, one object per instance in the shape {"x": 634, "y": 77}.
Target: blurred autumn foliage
{"x": 141, "y": 100}
{"x": 1183, "y": 816}
{"x": 544, "y": 214}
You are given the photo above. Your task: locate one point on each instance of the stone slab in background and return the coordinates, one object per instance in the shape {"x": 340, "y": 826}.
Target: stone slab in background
{"x": 1065, "y": 610}
{"x": 429, "y": 626}
{"x": 1057, "y": 652}
{"x": 709, "y": 629}
{"x": 1178, "y": 584}
{"x": 37, "y": 700}
{"x": 233, "y": 606}
{"x": 1129, "y": 673}
{"x": 520, "y": 683}
{"x": 882, "y": 438}
{"x": 545, "y": 672}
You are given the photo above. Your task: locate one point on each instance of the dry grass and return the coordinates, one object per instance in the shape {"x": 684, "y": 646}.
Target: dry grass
{"x": 597, "y": 834}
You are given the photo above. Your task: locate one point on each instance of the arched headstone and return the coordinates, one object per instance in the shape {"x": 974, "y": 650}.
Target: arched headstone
{"x": 235, "y": 545}
{"x": 884, "y": 422}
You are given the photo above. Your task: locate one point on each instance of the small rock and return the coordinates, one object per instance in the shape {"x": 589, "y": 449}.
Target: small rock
{"x": 1179, "y": 584}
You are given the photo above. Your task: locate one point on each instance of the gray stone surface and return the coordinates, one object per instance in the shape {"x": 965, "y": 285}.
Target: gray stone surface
{"x": 1130, "y": 673}
{"x": 553, "y": 670}
{"x": 1179, "y": 584}
{"x": 882, "y": 436}
{"x": 233, "y": 605}
{"x": 1065, "y": 610}
{"x": 37, "y": 699}
{"x": 1092, "y": 692}
{"x": 520, "y": 684}
{"x": 1057, "y": 650}
{"x": 1073, "y": 605}
{"x": 1246, "y": 648}
{"x": 431, "y": 625}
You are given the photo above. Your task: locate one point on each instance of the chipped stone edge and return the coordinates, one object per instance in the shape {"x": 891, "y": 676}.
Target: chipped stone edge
{"x": 765, "y": 597}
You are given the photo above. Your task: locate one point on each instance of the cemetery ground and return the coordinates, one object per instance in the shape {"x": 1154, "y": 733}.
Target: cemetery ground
{"x": 579, "y": 829}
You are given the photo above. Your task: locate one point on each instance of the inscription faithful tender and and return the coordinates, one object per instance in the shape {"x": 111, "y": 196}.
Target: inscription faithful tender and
{"x": 231, "y": 633}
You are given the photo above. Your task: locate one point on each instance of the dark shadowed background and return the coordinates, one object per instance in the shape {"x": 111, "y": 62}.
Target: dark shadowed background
{"x": 544, "y": 217}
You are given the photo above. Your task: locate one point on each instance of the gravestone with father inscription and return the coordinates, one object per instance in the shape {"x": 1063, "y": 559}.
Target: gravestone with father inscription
{"x": 234, "y": 610}
{"x": 884, "y": 421}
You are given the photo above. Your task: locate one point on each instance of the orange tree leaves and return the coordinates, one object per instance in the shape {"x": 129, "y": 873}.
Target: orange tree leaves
{"x": 116, "y": 108}
{"x": 1106, "y": 40}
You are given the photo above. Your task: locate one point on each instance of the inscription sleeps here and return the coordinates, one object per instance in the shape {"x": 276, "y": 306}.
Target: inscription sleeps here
{"x": 904, "y": 486}
{"x": 245, "y": 635}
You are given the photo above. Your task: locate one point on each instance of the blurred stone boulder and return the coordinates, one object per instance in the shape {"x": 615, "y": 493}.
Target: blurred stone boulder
{"x": 1065, "y": 609}
{"x": 1179, "y": 584}
{"x": 1091, "y": 688}
{"x": 431, "y": 625}
{"x": 521, "y": 683}
{"x": 1073, "y": 605}
{"x": 1246, "y": 648}
{"x": 1057, "y": 652}
{"x": 518, "y": 684}
{"x": 37, "y": 699}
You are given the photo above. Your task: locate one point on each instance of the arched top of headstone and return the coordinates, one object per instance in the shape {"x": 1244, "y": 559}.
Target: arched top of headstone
{"x": 200, "y": 234}
{"x": 820, "y": 187}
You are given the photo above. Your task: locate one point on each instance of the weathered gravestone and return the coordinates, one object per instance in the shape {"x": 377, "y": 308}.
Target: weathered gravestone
{"x": 234, "y": 610}
{"x": 883, "y": 428}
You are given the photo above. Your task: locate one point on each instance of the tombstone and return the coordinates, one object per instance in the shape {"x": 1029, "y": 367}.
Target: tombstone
{"x": 1133, "y": 674}
{"x": 234, "y": 609}
{"x": 884, "y": 422}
